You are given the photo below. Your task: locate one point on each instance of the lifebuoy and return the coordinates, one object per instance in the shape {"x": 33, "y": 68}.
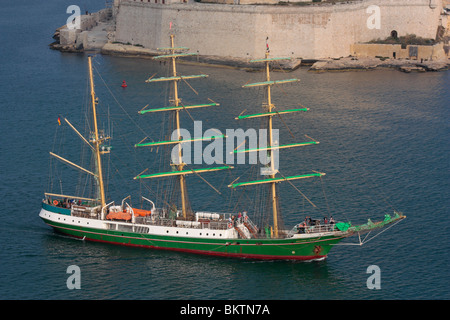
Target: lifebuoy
{"x": 230, "y": 225}
{"x": 55, "y": 202}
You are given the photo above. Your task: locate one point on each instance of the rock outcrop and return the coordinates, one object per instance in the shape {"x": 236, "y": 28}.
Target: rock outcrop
{"x": 94, "y": 32}
{"x": 353, "y": 63}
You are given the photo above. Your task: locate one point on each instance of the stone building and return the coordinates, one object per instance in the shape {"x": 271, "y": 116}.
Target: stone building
{"x": 307, "y": 30}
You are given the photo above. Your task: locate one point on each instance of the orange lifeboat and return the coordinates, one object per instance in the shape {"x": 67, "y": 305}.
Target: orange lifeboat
{"x": 126, "y": 214}
{"x": 120, "y": 215}
{"x": 141, "y": 212}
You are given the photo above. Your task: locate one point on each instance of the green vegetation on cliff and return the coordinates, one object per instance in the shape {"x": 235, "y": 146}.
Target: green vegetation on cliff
{"x": 409, "y": 39}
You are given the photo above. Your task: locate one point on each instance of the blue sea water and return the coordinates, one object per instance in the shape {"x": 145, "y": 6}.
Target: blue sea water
{"x": 384, "y": 145}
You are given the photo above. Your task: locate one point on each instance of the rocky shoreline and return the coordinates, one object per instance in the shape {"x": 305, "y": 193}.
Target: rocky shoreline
{"x": 355, "y": 64}
{"x": 126, "y": 50}
{"x": 329, "y": 65}
{"x": 96, "y": 30}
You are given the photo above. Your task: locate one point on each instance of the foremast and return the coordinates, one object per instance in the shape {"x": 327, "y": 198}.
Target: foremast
{"x": 271, "y": 144}
{"x": 96, "y": 141}
{"x": 172, "y": 53}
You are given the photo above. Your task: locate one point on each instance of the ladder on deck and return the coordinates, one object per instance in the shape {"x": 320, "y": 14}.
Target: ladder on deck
{"x": 251, "y": 228}
{"x": 241, "y": 232}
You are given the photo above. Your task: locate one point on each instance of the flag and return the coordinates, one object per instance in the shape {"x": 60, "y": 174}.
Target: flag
{"x": 59, "y": 120}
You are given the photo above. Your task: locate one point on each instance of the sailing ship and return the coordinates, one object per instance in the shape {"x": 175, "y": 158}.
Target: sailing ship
{"x": 179, "y": 228}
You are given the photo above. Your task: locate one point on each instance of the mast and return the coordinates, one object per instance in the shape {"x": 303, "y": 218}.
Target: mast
{"x": 270, "y": 113}
{"x": 180, "y": 165}
{"x": 96, "y": 140}
{"x": 181, "y": 172}
{"x": 271, "y": 154}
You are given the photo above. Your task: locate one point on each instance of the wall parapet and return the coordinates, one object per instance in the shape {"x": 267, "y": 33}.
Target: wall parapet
{"x": 395, "y": 51}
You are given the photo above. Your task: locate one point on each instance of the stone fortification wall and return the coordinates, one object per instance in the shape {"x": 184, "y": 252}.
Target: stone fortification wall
{"x": 87, "y": 37}
{"x": 395, "y": 51}
{"x": 240, "y": 31}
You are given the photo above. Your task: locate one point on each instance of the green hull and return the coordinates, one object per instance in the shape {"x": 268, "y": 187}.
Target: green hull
{"x": 272, "y": 249}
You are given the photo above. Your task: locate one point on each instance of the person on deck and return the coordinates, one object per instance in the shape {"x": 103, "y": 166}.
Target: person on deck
{"x": 301, "y": 227}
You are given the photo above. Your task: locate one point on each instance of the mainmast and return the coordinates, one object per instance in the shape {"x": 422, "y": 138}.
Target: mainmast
{"x": 271, "y": 153}
{"x": 96, "y": 141}
{"x": 181, "y": 171}
{"x": 271, "y": 145}
{"x": 180, "y": 164}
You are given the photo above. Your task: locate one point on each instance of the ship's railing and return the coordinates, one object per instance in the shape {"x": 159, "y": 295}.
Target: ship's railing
{"x": 320, "y": 228}
{"x": 159, "y": 217}
{"x": 215, "y": 225}
{"x": 301, "y": 228}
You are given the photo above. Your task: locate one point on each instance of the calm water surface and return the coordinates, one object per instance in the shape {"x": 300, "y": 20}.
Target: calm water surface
{"x": 384, "y": 145}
